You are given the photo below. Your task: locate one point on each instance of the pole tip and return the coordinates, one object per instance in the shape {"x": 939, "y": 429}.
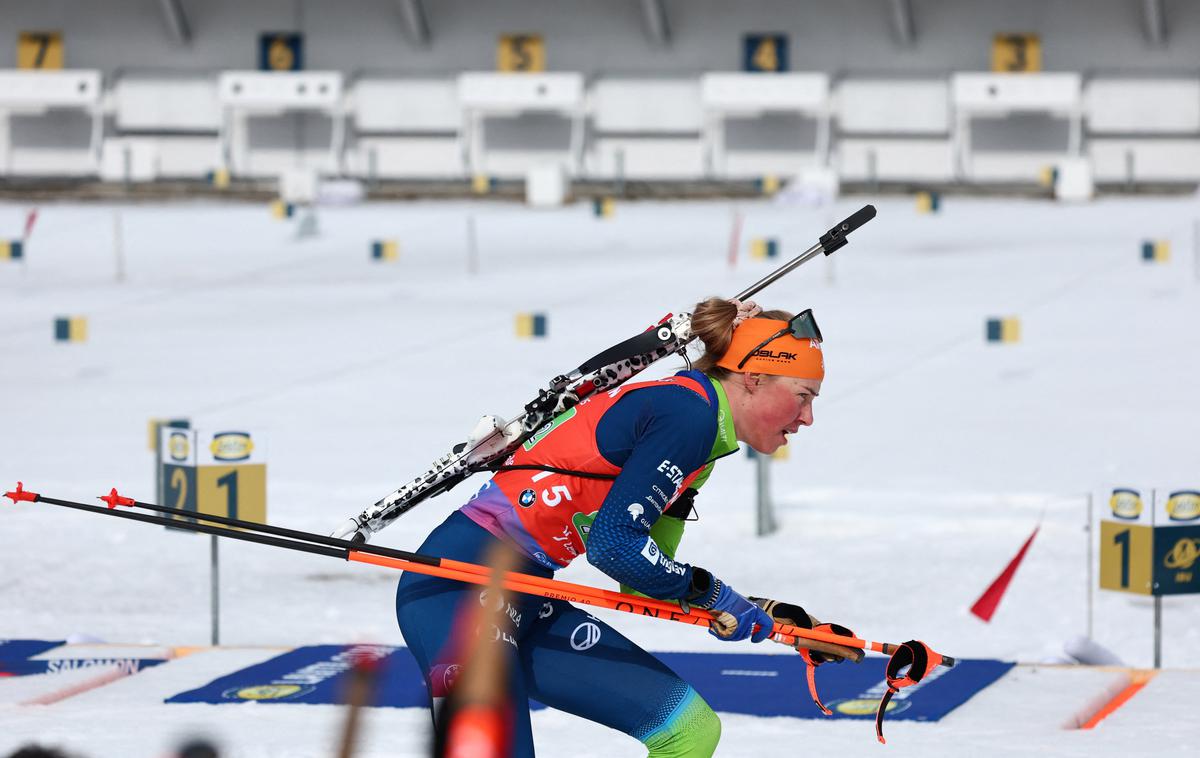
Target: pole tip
{"x": 114, "y": 499}
{"x": 19, "y": 494}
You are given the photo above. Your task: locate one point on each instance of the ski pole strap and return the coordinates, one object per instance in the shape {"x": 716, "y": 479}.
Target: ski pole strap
{"x": 815, "y": 658}
{"x": 812, "y": 689}
{"x": 915, "y": 659}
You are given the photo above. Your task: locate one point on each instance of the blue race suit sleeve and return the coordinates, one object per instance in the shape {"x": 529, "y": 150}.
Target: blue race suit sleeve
{"x": 658, "y": 435}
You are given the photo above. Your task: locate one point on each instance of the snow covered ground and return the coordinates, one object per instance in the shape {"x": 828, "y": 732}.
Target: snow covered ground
{"x": 933, "y": 455}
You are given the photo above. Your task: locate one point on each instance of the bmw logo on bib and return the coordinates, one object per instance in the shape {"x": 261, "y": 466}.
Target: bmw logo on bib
{"x": 527, "y": 498}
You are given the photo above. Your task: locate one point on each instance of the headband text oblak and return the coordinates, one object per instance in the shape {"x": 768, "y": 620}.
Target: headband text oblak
{"x": 779, "y": 348}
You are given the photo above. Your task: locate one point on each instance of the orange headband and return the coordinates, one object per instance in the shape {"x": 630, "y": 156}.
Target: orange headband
{"x": 783, "y": 356}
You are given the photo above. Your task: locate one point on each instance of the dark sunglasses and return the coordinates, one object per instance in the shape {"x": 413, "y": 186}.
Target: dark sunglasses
{"x": 803, "y": 326}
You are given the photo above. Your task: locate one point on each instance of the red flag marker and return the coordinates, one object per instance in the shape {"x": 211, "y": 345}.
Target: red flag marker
{"x": 985, "y": 606}
{"x": 30, "y": 220}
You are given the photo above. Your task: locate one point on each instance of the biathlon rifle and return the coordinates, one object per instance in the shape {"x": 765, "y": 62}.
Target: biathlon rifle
{"x": 493, "y": 439}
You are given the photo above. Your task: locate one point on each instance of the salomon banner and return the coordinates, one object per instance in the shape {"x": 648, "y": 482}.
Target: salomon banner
{"x": 59, "y": 665}
{"x": 15, "y": 660}
{"x": 758, "y": 685}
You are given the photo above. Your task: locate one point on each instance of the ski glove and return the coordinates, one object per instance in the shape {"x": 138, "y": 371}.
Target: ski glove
{"x": 734, "y": 617}
{"x": 794, "y": 615}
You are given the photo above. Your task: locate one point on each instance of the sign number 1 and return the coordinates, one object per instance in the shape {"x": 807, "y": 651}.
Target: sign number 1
{"x": 1122, "y": 539}
{"x": 229, "y": 482}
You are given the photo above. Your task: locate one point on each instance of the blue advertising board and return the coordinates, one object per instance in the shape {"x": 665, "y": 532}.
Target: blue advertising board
{"x": 20, "y": 650}
{"x": 758, "y": 685}
{"x": 15, "y": 659}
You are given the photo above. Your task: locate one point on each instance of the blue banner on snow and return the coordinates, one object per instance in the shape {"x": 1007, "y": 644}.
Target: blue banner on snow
{"x": 58, "y": 665}
{"x": 758, "y": 685}
{"x": 15, "y": 655}
{"x": 20, "y": 650}
{"x": 776, "y": 685}
{"x": 316, "y": 674}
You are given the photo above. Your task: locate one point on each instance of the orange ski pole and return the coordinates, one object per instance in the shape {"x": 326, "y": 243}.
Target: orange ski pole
{"x": 444, "y": 567}
{"x": 618, "y": 601}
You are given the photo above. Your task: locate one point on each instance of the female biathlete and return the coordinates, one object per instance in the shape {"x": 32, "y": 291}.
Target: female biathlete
{"x": 615, "y": 477}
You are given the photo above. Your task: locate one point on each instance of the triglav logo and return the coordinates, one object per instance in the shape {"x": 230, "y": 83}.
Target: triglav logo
{"x": 1125, "y": 503}
{"x": 178, "y": 446}
{"x": 865, "y": 706}
{"x": 540, "y": 434}
{"x": 1184, "y": 505}
{"x": 583, "y": 524}
{"x": 267, "y": 692}
{"x": 1183, "y": 556}
{"x": 231, "y": 446}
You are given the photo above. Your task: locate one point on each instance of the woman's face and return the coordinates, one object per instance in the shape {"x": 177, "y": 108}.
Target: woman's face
{"x": 773, "y": 407}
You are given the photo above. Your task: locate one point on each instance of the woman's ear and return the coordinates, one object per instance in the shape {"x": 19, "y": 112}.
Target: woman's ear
{"x": 752, "y": 382}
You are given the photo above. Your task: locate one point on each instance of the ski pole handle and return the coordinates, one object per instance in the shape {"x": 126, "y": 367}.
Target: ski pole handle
{"x": 850, "y": 653}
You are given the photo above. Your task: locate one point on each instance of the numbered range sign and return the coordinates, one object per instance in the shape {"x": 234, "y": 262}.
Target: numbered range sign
{"x": 1150, "y": 542}
{"x": 280, "y": 51}
{"x": 765, "y": 52}
{"x": 221, "y": 473}
{"x": 520, "y": 52}
{"x": 42, "y": 50}
{"x": 1016, "y": 53}
{"x": 1125, "y": 562}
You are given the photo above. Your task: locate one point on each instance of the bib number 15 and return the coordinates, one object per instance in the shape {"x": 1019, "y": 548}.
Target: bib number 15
{"x": 555, "y": 495}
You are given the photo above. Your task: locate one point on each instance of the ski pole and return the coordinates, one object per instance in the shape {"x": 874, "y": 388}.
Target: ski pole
{"x": 556, "y": 585}
{"x": 470, "y": 573}
{"x": 114, "y": 499}
{"x": 617, "y": 601}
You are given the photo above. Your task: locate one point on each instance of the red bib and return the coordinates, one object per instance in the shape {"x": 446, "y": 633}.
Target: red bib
{"x": 555, "y": 508}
